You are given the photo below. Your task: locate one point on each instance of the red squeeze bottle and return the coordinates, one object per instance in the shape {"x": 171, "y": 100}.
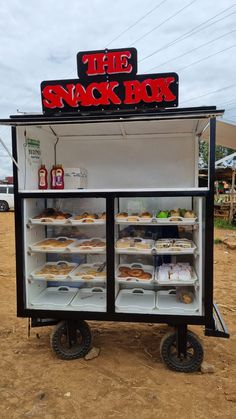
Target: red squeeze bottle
{"x": 42, "y": 177}
{"x": 59, "y": 177}
{"x": 53, "y": 177}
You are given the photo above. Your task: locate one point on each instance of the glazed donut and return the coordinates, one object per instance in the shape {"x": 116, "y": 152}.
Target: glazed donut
{"x": 122, "y": 275}
{"x": 136, "y": 272}
{"x": 145, "y": 275}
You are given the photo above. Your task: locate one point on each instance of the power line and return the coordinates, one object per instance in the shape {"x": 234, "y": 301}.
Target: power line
{"x": 136, "y": 22}
{"x": 191, "y": 32}
{"x": 164, "y": 21}
{"x": 206, "y": 58}
{"x": 191, "y": 50}
{"x": 210, "y": 93}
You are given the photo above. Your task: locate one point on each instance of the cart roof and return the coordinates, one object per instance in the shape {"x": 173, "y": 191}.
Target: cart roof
{"x": 205, "y": 112}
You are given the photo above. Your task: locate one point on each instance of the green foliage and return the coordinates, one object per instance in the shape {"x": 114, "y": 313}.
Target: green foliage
{"x": 219, "y": 154}
{"x": 217, "y": 241}
{"x": 224, "y": 224}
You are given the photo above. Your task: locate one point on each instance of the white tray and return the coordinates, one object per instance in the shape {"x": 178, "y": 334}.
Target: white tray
{"x": 132, "y": 279}
{"x": 134, "y": 250}
{"x": 136, "y": 300}
{"x": 139, "y": 220}
{"x": 176, "y": 220}
{"x": 80, "y": 268}
{"x": 174, "y": 251}
{"x": 174, "y": 282}
{"x": 36, "y": 247}
{"x": 93, "y": 221}
{"x": 48, "y": 221}
{"x": 168, "y": 303}
{"x": 90, "y": 299}
{"x": 51, "y": 276}
{"x": 55, "y": 296}
{"x": 87, "y": 249}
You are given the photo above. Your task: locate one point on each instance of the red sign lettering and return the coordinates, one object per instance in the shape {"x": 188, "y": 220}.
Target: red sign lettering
{"x": 110, "y": 63}
{"x": 108, "y": 80}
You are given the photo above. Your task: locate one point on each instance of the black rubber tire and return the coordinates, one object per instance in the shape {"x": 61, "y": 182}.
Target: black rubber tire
{"x": 59, "y": 341}
{"x": 169, "y": 355}
{"x": 4, "y": 206}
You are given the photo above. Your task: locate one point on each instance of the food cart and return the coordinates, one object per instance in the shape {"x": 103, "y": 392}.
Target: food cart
{"x": 130, "y": 237}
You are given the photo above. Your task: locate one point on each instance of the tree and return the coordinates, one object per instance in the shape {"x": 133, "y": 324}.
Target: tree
{"x": 219, "y": 154}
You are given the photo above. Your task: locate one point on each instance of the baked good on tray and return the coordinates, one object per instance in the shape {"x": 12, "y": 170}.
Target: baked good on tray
{"x": 54, "y": 269}
{"x": 189, "y": 214}
{"x": 175, "y": 272}
{"x": 137, "y": 273}
{"x": 53, "y": 214}
{"x": 55, "y": 242}
{"x": 145, "y": 215}
{"x": 90, "y": 272}
{"x": 94, "y": 243}
{"x": 86, "y": 217}
{"x": 122, "y": 215}
{"x": 133, "y": 243}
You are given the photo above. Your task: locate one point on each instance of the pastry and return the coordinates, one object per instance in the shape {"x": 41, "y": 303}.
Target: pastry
{"x": 133, "y": 217}
{"x": 145, "y": 215}
{"x": 122, "y": 215}
{"x": 53, "y": 214}
{"x": 136, "y": 272}
{"x": 189, "y": 214}
{"x": 175, "y": 213}
{"x": 145, "y": 276}
{"x": 102, "y": 216}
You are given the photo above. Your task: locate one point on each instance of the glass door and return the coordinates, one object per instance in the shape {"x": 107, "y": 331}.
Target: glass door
{"x": 159, "y": 255}
{"x": 65, "y": 254}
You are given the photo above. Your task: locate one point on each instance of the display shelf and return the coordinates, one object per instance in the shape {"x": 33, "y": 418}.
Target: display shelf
{"x": 128, "y": 279}
{"x": 41, "y": 272}
{"x": 136, "y": 300}
{"x": 166, "y": 302}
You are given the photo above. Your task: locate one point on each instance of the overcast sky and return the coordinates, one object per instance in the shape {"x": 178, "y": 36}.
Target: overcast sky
{"x": 39, "y": 40}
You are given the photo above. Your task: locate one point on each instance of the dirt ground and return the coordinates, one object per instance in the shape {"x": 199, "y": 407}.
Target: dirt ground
{"x": 128, "y": 379}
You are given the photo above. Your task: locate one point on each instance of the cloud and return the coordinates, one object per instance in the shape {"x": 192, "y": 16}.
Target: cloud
{"x": 40, "y": 40}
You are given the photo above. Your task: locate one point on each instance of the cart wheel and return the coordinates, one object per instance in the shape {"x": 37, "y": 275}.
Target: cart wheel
{"x": 64, "y": 348}
{"x": 169, "y": 353}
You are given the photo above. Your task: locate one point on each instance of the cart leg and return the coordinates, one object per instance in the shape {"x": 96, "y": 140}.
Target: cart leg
{"x": 181, "y": 332}
{"x": 71, "y": 327}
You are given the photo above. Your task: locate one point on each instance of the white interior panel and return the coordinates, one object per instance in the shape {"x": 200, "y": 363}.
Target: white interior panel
{"x": 127, "y": 164}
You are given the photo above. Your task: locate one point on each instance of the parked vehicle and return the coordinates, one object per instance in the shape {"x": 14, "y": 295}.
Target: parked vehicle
{"x": 6, "y": 198}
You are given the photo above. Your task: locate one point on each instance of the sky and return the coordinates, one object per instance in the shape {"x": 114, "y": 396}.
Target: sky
{"x": 39, "y": 40}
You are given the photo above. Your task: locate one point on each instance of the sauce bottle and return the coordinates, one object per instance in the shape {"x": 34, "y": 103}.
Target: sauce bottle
{"x": 59, "y": 177}
{"x": 53, "y": 177}
{"x": 42, "y": 177}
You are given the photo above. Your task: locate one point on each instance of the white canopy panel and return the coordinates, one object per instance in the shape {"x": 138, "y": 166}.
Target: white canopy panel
{"x": 225, "y": 134}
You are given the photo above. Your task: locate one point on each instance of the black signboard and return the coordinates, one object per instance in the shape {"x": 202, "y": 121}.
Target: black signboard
{"x": 108, "y": 81}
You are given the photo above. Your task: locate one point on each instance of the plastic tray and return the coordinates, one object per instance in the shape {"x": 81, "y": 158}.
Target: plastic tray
{"x": 87, "y": 249}
{"x": 51, "y": 276}
{"x": 133, "y": 249}
{"x": 90, "y": 299}
{"x": 136, "y": 300}
{"x": 177, "y": 281}
{"x": 132, "y": 279}
{"x": 84, "y": 221}
{"x": 38, "y": 247}
{"x": 55, "y": 296}
{"x": 126, "y": 220}
{"x": 173, "y": 250}
{"x": 48, "y": 221}
{"x": 82, "y": 268}
{"x": 167, "y": 302}
{"x": 175, "y": 220}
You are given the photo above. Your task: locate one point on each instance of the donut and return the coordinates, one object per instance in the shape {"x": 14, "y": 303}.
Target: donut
{"x": 145, "y": 275}
{"x": 136, "y": 272}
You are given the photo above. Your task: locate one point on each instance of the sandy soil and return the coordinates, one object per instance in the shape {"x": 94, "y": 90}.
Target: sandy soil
{"x": 128, "y": 379}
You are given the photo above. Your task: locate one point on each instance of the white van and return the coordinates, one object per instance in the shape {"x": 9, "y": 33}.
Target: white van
{"x": 6, "y": 197}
